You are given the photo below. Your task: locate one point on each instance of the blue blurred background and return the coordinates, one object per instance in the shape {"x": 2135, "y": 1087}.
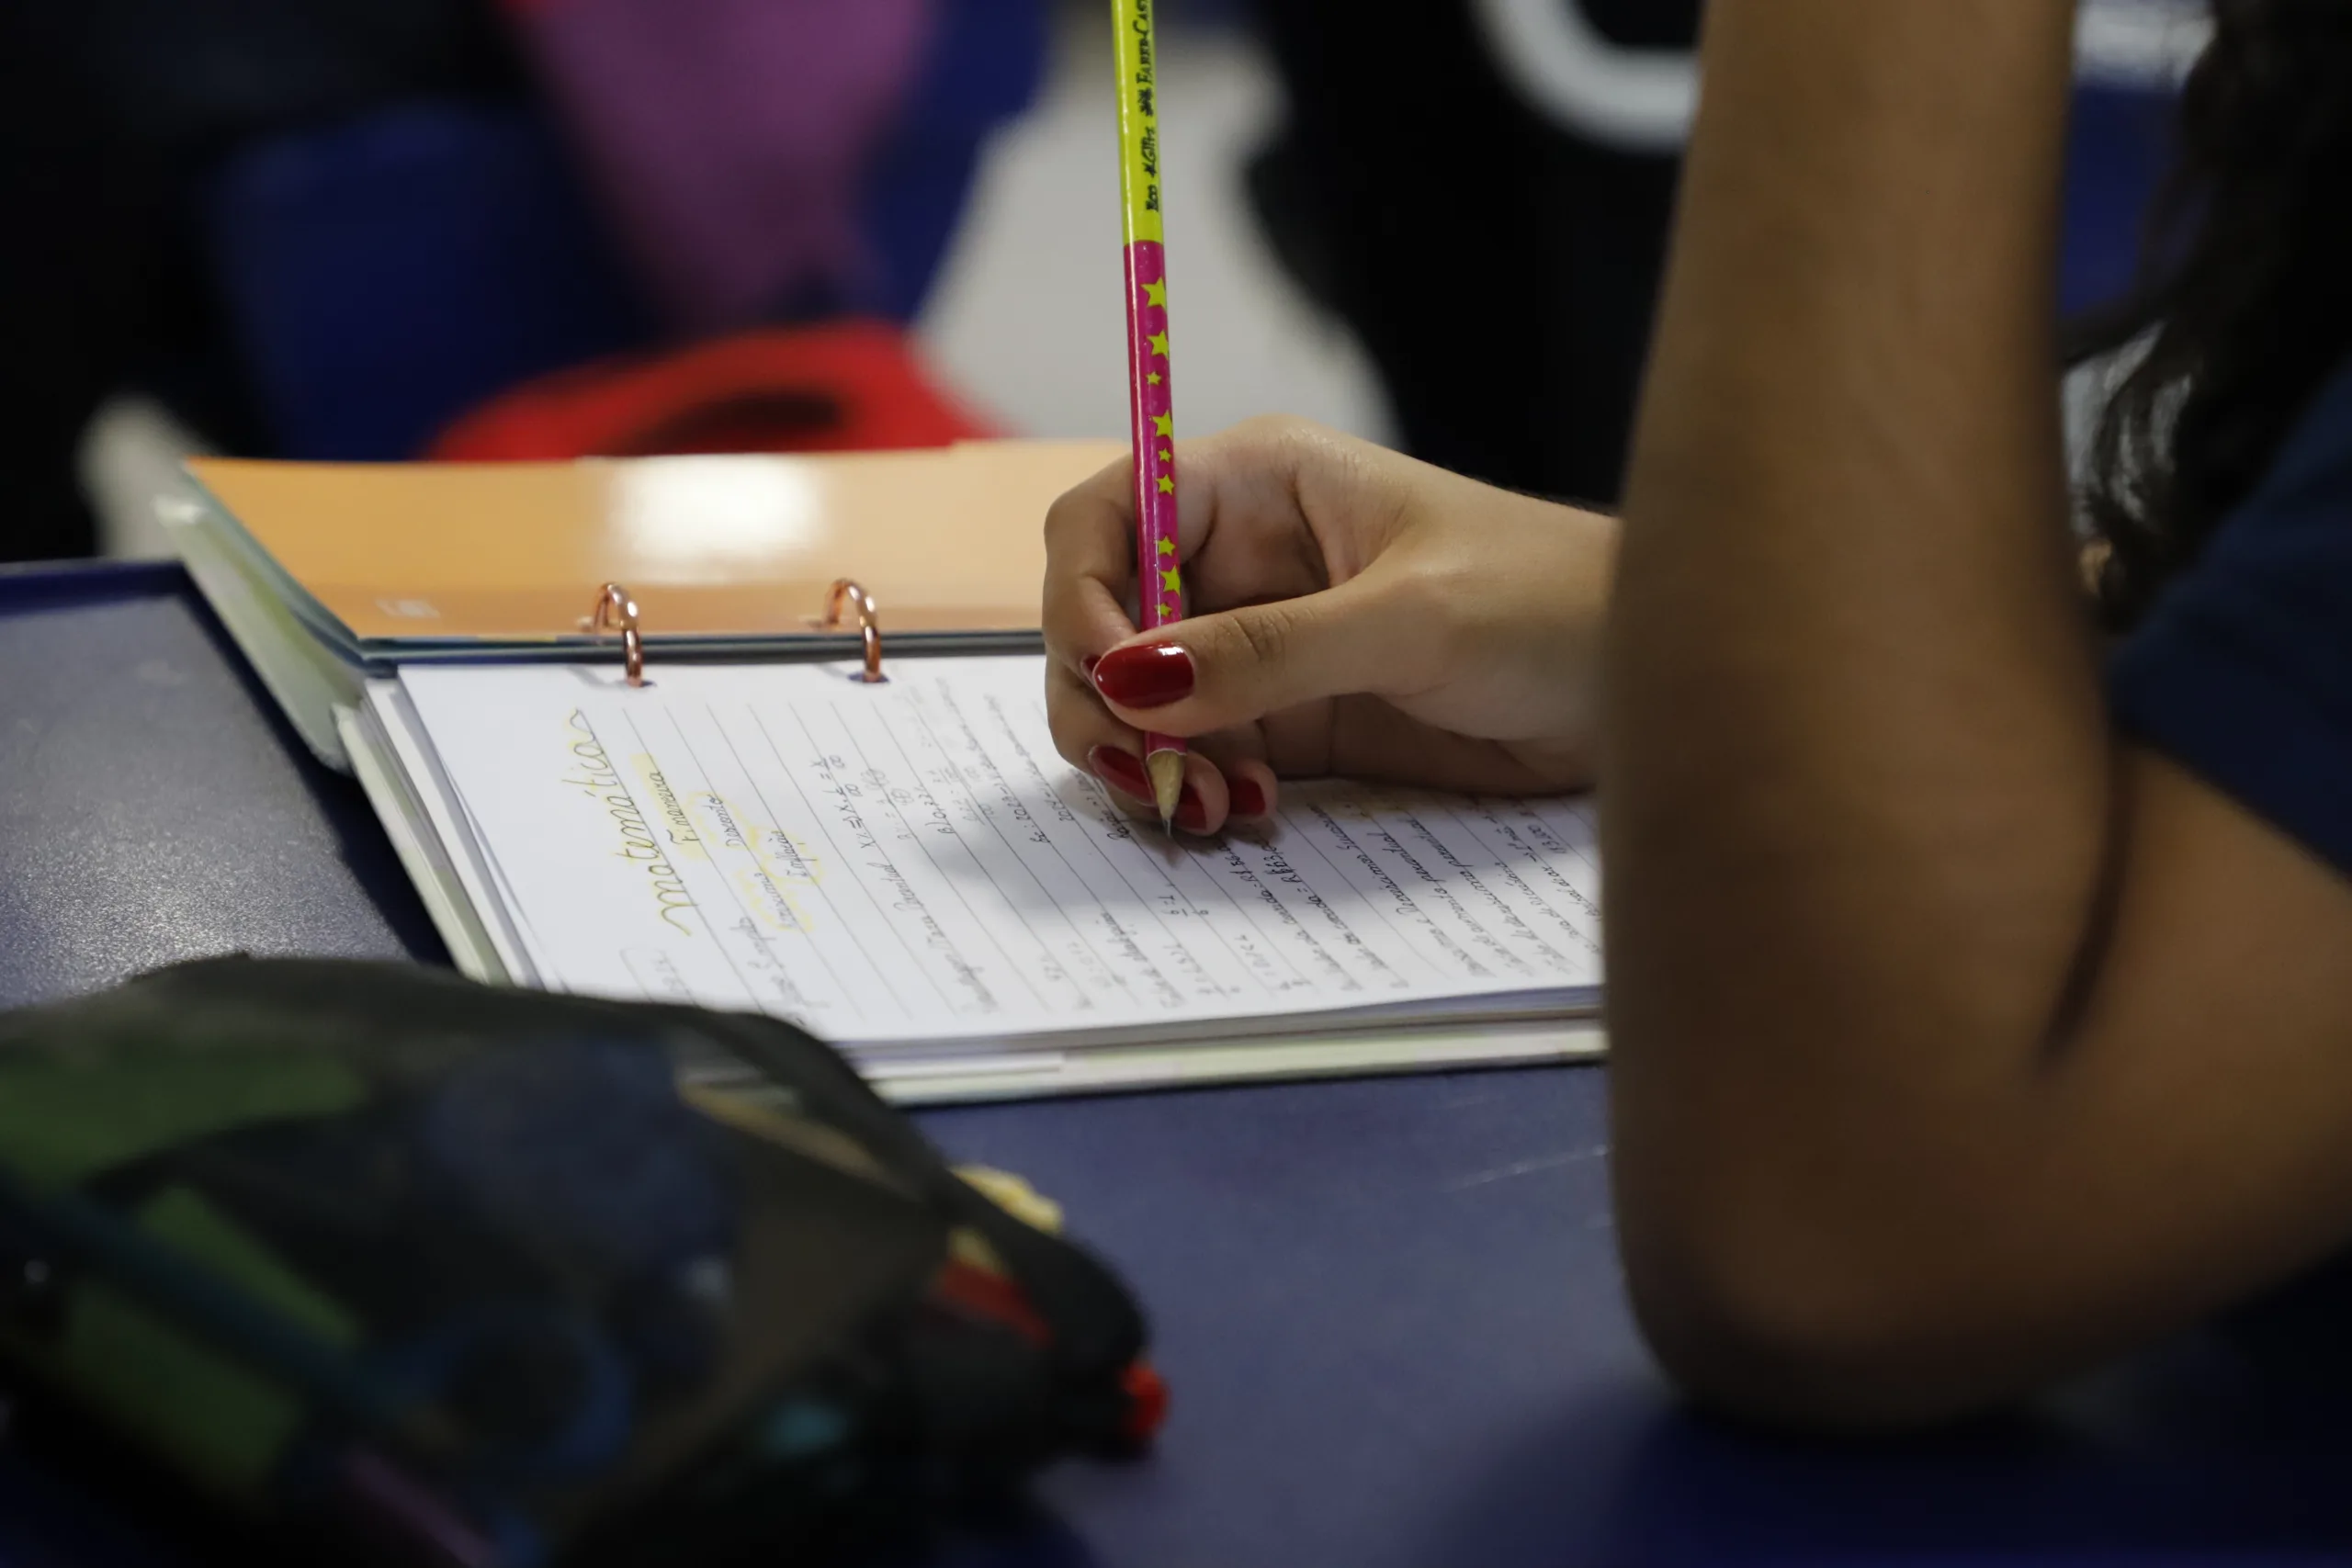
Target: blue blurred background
{"x": 356, "y": 229}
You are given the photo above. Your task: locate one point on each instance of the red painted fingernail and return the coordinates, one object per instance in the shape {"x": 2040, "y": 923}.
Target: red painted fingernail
{"x": 1086, "y": 665}
{"x": 1148, "y": 676}
{"x": 1191, "y": 814}
{"x": 1248, "y": 798}
{"x": 1122, "y": 771}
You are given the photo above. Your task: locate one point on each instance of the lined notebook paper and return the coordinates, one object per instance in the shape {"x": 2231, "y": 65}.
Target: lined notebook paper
{"x": 911, "y": 867}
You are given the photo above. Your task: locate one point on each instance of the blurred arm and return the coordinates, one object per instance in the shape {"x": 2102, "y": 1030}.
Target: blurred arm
{"x": 1955, "y": 1042}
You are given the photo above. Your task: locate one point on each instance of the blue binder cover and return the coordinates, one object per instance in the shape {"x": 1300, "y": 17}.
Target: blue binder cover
{"x": 153, "y": 806}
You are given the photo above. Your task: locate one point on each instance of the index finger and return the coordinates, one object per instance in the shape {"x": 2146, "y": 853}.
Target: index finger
{"x": 1090, "y": 536}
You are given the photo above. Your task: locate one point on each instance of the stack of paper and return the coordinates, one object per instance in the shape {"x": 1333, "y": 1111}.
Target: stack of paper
{"x": 910, "y": 871}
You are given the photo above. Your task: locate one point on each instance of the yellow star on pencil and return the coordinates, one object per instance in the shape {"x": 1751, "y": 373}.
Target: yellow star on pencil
{"x": 1166, "y": 611}
{"x": 1171, "y": 581}
{"x": 1167, "y": 485}
{"x": 1156, "y": 293}
{"x": 1152, "y": 377}
{"x": 1167, "y": 546}
{"x": 1159, "y": 345}
{"x": 1166, "y": 455}
{"x": 1165, "y": 423}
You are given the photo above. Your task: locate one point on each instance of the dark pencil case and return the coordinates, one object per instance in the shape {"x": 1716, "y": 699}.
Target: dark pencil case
{"x": 365, "y": 1258}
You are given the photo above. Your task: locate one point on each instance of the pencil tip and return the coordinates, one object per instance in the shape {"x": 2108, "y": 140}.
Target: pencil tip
{"x": 1167, "y": 784}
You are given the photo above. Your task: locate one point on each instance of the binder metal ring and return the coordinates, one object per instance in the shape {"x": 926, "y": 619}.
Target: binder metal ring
{"x": 869, "y": 625}
{"x": 614, "y": 606}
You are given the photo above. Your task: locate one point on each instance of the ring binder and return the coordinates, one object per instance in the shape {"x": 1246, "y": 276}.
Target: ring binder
{"x": 613, "y": 602}
{"x": 617, "y": 610}
{"x": 869, "y": 625}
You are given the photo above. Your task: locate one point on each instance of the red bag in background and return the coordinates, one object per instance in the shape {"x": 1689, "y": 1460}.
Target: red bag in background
{"x": 843, "y": 387}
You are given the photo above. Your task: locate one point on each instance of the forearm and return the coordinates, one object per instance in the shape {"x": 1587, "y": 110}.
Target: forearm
{"x": 1856, "y": 777}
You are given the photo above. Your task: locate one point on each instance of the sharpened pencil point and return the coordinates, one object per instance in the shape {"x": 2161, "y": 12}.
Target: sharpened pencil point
{"x": 1167, "y": 783}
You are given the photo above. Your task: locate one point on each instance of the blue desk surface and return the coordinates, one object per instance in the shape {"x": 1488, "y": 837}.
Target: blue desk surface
{"x": 1389, "y": 1310}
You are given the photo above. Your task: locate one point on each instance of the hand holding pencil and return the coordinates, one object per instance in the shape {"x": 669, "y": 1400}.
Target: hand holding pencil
{"x": 1320, "y": 645}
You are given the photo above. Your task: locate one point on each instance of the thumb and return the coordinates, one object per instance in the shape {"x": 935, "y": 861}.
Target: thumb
{"x": 1236, "y": 666}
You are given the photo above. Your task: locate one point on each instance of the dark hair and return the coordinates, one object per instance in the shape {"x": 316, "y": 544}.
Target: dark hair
{"x": 2246, "y": 296}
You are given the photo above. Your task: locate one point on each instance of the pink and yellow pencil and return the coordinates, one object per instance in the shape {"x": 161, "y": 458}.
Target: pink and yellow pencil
{"x": 1159, "y": 585}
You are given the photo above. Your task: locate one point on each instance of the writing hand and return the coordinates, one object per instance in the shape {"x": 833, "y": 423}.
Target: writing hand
{"x": 1353, "y": 612}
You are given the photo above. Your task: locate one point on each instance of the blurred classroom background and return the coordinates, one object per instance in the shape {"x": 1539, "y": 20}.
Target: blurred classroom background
{"x": 370, "y": 230}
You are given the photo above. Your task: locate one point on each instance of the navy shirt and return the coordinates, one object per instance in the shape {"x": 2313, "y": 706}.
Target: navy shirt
{"x": 2243, "y": 674}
